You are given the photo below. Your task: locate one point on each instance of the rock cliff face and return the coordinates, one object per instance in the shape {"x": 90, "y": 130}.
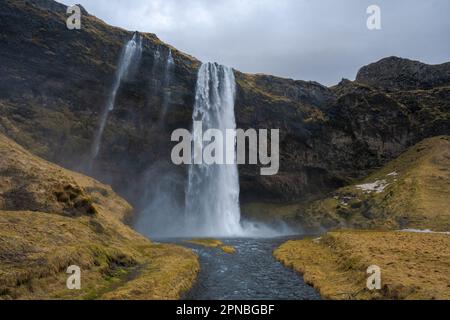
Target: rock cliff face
{"x": 55, "y": 83}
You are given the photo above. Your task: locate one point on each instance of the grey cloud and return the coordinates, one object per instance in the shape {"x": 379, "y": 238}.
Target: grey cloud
{"x": 321, "y": 40}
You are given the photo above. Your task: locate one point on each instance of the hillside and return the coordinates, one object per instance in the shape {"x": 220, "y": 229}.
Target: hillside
{"x": 55, "y": 83}
{"x": 51, "y": 218}
{"x": 408, "y": 192}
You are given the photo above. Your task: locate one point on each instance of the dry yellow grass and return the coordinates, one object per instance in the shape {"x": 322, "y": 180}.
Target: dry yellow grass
{"x": 213, "y": 243}
{"x": 170, "y": 271}
{"x": 228, "y": 249}
{"x": 51, "y": 218}
{"x": 413, "y": 265}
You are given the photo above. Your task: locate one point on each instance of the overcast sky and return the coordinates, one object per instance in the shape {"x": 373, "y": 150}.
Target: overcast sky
{"x": 321, "y": 40}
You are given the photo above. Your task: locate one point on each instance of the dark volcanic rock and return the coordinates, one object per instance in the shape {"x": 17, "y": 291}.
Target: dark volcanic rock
{"x": 55, "y": 83}
{"x": 395, "y": 73}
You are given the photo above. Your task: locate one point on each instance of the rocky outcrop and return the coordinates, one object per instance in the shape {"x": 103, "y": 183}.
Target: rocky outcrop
{"x": 395, "y": 73}
{"x": 55, "y": 82}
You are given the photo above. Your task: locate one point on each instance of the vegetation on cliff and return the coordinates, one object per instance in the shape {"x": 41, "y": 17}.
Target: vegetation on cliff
{"x": 409, "y": 192}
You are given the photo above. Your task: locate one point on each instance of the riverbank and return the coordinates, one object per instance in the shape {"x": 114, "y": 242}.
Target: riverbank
{"x": 413, "y": 265}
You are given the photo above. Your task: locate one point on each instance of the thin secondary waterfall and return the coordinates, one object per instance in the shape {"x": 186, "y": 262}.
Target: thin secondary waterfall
{"x": 156, "y": 62}
{"x": 130, "y": 56}
{"x": 212, "y": 197}
{"x": 170, "y": 63}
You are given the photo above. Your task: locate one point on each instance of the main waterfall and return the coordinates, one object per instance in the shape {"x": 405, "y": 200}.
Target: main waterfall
{"x": 212, "y": 197}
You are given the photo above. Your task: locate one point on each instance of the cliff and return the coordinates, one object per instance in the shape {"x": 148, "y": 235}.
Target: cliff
{"x": 55, "y": 84}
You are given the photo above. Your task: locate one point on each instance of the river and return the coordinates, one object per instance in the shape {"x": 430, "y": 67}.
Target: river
{"x": 252, "y": 273}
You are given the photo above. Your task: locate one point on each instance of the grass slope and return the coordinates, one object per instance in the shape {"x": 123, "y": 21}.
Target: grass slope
{"x": 409, "y": 192}
{"x": 51, "y": 218}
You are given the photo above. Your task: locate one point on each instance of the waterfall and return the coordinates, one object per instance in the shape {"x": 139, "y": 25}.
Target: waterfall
{"x": 156, "y": 62}
{"x": 211, "y": 194}
{"x": 170, "y": 63}
{"x": 129, "y": 58}
{"x": 212, "y": 197}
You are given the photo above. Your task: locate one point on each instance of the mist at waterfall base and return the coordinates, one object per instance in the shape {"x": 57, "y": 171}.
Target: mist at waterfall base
{"x": 211, "y": 203}
{"x": 164, "y": 214}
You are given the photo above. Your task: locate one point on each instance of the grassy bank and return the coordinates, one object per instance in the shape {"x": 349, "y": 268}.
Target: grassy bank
{"x": 413, "y": 265}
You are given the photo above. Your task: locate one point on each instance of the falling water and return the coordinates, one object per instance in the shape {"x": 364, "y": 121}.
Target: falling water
{"x": 170, "y": 63}
{"x": 130, "y": 56}
{"x": 156, "y": 62}
{"x": 211, "y": 204}
{"x": 212, "y": 199}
